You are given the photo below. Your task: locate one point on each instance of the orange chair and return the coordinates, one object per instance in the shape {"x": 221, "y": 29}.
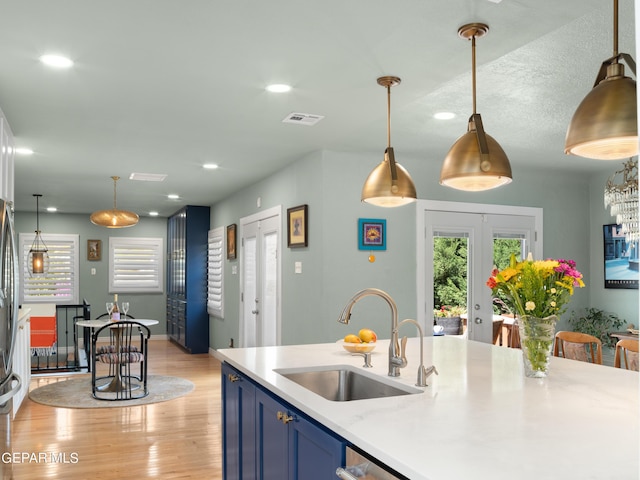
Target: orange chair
{"x": 628, "y": 349}
{"x": 578, "y": 346}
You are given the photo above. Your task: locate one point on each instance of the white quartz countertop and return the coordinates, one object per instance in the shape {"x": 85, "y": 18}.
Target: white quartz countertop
{"x": 479, "y": 418}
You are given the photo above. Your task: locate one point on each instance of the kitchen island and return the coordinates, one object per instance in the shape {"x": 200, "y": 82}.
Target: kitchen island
{"x": 479, "y": 418}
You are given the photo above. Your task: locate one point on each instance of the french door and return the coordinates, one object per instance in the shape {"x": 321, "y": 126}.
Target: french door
{"x": 260, "y": 279}
{"x": 479, "y": 231}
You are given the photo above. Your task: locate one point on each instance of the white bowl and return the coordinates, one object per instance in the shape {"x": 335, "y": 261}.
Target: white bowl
{"x": 357, "y": 347}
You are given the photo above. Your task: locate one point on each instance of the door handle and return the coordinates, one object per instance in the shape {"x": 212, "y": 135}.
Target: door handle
{"x": 283, "y": 417}
{"x": 255, "y": 312}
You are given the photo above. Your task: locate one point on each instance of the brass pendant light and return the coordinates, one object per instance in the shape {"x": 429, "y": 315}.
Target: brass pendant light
{"x": 38, "y": 260}
{"x": 389, "y": 184}
{"x": 605, "y": 124}
{"x": 114, "y": 218}
{"x": 475, "y": 162}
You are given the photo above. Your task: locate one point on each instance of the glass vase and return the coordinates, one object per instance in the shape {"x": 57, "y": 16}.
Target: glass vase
{"x": 536, "y": 338}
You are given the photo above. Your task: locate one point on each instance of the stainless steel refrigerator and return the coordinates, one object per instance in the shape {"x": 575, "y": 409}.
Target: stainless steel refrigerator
{"x": 9, "y": 381}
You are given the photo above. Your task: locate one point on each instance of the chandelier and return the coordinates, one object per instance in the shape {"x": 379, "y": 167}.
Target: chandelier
{"x": 621, "y": 193}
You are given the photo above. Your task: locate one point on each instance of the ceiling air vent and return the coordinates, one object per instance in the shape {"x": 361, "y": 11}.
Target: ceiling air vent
{"x": 302, "y": 119}
{"x": 148, "y": 177}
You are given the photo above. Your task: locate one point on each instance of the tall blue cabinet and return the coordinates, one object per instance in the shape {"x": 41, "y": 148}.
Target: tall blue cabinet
{"x": 187, "y": 317}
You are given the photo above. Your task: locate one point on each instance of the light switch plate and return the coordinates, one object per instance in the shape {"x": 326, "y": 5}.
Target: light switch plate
{"x": 298, "y": 267}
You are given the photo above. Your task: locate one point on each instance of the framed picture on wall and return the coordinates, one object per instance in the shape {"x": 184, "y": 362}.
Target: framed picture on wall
{"x": 297, "y": 231}
{"x": 231, "y": 242}
{"x": 372, "y": 234}
{"x": 620, "y": 258}
{"x": 94, "y": 250}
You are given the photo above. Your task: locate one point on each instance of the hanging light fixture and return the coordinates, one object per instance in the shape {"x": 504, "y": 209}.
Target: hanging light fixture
{"x": 114, "y": 218}
{"x": 621, "y": 193}
{"x": 38, "y": 260}
{"x": 605, "y": 125}
{"x": 389, "y": 184}
{"x": 476, "y": 162}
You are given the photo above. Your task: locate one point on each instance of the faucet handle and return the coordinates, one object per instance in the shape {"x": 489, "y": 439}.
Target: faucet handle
{"x": 367, "y": 359}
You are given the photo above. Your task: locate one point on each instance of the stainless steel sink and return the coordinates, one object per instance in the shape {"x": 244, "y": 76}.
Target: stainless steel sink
{"x": 343, "y": 383}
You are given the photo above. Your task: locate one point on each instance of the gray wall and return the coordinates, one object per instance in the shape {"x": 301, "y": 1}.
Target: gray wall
{"x": 334, "y": 269}
{"x": 95, "y": 288}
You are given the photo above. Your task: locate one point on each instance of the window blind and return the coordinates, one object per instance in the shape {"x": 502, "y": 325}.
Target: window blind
{"x": 60, "y": 284}
{"x": 215, "y": 272}
{"x": 135, "y": 265}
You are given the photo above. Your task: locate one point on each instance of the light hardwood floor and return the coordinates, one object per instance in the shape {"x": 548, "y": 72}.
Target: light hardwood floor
{"x": 177, "y": 439}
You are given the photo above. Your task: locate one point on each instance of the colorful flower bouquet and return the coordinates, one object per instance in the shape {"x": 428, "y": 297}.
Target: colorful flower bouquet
{"x": 537, "y": 291}
{"x": 536, "y": 288}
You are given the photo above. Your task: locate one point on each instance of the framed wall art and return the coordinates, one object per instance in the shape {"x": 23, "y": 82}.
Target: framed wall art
{"x": 231, "y": 242}
{"x": 620, "y": 258}
{"x": 94, "y": 250}
{"x": 297, "y": 226}
{"x": 372, "y": 234}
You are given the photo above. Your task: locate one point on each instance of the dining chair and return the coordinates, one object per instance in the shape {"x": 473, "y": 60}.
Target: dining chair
{"x": 578, "y": 346}
{"x": 126, "y": 346}
{"x": 497, "y": 331}
{"x": 627, "y": 348}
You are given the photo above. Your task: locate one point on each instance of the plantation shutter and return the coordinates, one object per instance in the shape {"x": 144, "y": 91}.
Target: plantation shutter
{"x": 215, "y": 255}
{"x": 60, "y": 283}
{"x": 135, "y": 265}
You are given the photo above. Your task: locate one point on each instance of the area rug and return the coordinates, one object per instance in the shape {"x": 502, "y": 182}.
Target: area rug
{"x": 76, "y": 393}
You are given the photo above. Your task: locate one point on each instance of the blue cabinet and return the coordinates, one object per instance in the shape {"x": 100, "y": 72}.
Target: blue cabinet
{"x": 187, "y": 317}
{"x": 287, "y": 445}
{"x": 238, "y": 425}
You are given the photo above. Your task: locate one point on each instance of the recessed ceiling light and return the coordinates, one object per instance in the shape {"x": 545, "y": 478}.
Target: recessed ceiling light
{"x": 52, "y": 209}
{"x": 444, "y": 115}
{"x": 210, "y": 166}
{"x": 153, "y": 214}
{"x": 278, "y": 88}
{"x": 23, "y": 151}
{"x": 56, "y": 61}
{"x": 173, "y": 196}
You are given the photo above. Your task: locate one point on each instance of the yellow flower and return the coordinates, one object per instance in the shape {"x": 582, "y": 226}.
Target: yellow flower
{"x": 553, "y": 304}
{"x": 529, "y": 306}
{"x": 507, "y": 273}
{"x": 553, "y": 290}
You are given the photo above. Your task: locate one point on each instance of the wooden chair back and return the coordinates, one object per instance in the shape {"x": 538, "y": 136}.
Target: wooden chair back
{"x": 578, "y": 346}
{"x": 627, "y": 348}
{"x": 497, "y": 331}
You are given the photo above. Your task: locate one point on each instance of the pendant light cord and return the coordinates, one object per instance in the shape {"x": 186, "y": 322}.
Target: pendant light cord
{"x": 115, "y": 180}
{"x": 388, "y": 116}
{"x": 473, "y": 71}
{"x": 615, "y": 29}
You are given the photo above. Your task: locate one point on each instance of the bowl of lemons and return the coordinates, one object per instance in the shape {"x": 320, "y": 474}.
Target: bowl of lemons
{"x": 363, "y": 342}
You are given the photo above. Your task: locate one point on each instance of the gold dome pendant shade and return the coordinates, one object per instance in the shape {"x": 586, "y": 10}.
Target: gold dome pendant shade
{"x": 605, "y": 124}
{"x": 388, "y": 184}
{"x": 114, "y": 218}
{"x": 476, "y": 161}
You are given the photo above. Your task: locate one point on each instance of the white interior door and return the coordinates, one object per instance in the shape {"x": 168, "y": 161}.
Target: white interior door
{"x": 260, "y": 279}
{"x": 478, "y": 232}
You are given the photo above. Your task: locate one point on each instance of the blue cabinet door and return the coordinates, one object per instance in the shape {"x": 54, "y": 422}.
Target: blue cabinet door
{"x": 238, "y": 427}
{"x": 314, "y": 454}
{"x": 272, "y": 438}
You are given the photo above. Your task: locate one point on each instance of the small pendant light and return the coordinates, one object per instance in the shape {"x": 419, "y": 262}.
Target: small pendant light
{"x": 38, "y": 260}
{"x": 389, "y": 184}
{"x": 114, "y": 218}
{"x": 476, "y": 161}
{"x": 605, "y": 124}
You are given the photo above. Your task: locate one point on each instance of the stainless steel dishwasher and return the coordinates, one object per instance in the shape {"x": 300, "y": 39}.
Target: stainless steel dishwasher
{"x": 362, "y": 467}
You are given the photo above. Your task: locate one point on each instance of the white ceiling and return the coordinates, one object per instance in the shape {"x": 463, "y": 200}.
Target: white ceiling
{"x": 163, "y": 86}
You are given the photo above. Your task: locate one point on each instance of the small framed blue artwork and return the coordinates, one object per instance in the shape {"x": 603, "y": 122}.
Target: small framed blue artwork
{"x": 372, "y": 234}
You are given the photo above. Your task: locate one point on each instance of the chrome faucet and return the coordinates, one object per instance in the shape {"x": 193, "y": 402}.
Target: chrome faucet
{"x": 423, "y": 372}
{"x": 397, "y": 358}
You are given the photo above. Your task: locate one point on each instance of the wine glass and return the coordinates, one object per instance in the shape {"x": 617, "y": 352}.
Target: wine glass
{"x": 109, "y": 309}
{"x": 125, "y": 309}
